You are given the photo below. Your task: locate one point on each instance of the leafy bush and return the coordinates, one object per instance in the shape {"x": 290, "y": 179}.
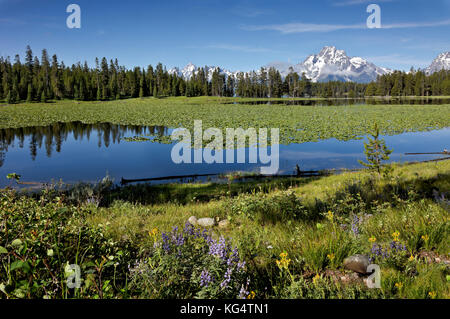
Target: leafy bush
{"x": 38, "y": 239}
{"x": 281, "y": 206}
{"x": 190, "y": 263}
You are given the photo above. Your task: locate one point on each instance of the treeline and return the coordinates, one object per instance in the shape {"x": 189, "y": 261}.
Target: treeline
{"x": 42, "y": 79}
{"x": 412, "y": 83}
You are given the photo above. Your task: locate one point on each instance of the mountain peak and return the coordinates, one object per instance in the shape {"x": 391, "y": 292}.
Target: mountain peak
{"x": 334, "y": 64}
{"x": 442, "y": 62}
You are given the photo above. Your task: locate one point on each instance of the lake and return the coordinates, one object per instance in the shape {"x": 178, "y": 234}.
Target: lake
{"x": 77, "y": 152}
{"x": 347, "y": 101}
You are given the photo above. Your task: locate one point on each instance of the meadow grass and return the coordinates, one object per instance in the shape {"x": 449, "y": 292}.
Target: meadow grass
{"x": 315, "y": 242}
{"x": 293, "y": 235}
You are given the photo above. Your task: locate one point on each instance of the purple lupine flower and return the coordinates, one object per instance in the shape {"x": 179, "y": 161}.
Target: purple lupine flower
{"x": 219, "y": 249}
{"x": 355, "y": 223}
{"x": 189, "y": 229}
{"x": 241, "y": 265}
{"x": 227, "y": 278}
{"x": 243, "y": 293}
{"x": 205, "y": 278}
{"x": 165, "y": 239}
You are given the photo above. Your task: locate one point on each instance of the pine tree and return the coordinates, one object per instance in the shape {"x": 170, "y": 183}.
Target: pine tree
{"x": 375, "y": 151}
{"x": 29, "y": 93}
{"x": 10, "y": 98}
{"x": 43, "y": 97}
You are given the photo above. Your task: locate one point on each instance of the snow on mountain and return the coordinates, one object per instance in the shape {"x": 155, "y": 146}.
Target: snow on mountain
{"x": 190, "y": 69}
{"x": 442, "y": 62}
{"x": 333, "y": 64}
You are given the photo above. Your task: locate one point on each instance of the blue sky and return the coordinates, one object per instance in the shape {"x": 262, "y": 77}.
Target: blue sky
{"x": 237, "y": 35}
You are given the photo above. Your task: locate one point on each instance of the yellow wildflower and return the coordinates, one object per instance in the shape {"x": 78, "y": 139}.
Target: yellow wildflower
{"x": 284, "y": 262}
{"x": 330, "y": 257}
{"x": 411, "y": 258}
{"x": 330, "y": 215}
{"x": 251, "y": 295}
{"x": 432, "y": 294}
{"x": 395, "y": 235}
{"x": 425, "y": 238}
{"x": 399, "y": 285}
{"x": 372, "y": 239}
{"x": 316, "y": 279}
{"x": 153, "y": 232}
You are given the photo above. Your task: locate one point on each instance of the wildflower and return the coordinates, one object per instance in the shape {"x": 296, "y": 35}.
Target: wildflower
{"x": 330, "y": 215}
{"x": 284, "y": 262}
{"x": 399, "y": 285}
{"x": 205, "y": 278}
{"x": 432, "y": 294}
{"x": 316, "y": 279}
{"x": 243, "y": 293}
{"x": 372, "y": 239}
{"x": 355, "y": 223}
{"x": 330, "y": 257}
{"x": 227, "y": 278}
{"x": 395, "y": 235}
{"x": 425, "y": 238}
{"x": 153, "y": 233}
{"x": 251, "y": 295}
{"x": 411, "y": 258}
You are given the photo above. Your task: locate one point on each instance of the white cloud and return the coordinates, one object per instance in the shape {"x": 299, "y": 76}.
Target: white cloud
{"x": 289, "y": 28}
{"x": 302, "y": 27}
{"x": 356, "y": 2}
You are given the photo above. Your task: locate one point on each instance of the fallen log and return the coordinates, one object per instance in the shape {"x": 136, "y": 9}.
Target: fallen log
{"x": 126, "y": 181}
{"x": 445, "y": 152}
{"x": 302, "y": 174}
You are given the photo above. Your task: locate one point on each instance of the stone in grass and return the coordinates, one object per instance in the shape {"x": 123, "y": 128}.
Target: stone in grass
{"x": 224, "y": 224}
{"x": 193, "y": 221}
{"x": 357, "y": 263}
{"x": 206, "y": 222}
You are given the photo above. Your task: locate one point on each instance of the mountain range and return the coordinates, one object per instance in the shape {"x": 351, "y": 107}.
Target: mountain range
{"x": 330, "y": 64}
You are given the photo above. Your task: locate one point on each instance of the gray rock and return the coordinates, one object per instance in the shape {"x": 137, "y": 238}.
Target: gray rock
{"x": 193, "y": 220}
{"x": 224, "y": 224}
{"x": 357, "y": 263}
{"x": 206, "y": 222}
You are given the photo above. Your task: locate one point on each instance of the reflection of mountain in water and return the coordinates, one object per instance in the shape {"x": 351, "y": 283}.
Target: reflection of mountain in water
{"x": 53, "y": 136}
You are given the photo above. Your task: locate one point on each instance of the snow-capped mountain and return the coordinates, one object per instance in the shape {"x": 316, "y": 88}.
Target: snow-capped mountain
{"x": 191, "y": 69}
{"x": 442, "y": 62}
{"x": 333, "y": 64}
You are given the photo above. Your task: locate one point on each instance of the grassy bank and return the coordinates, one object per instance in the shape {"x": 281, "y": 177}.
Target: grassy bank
{"x": 293, "y": 235}
{"x": 296, "y": 123}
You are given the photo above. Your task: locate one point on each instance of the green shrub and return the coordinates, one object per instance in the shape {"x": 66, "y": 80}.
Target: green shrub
{"x": 38, "y": 238}
{"x": 279, "y": 207}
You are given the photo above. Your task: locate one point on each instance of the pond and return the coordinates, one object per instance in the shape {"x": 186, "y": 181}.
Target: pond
{"x": 355, "y": 101}
{"x": 77, "y": 152}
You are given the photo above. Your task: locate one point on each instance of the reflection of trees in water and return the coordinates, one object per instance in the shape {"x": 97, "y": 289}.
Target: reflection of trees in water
{"x": 355, "y": 101}
{"x": 52, "y": 137}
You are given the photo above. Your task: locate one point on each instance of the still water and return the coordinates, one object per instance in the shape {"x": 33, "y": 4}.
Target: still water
{"x": 77, "y": 152}
{"x": 355, "y": 101}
